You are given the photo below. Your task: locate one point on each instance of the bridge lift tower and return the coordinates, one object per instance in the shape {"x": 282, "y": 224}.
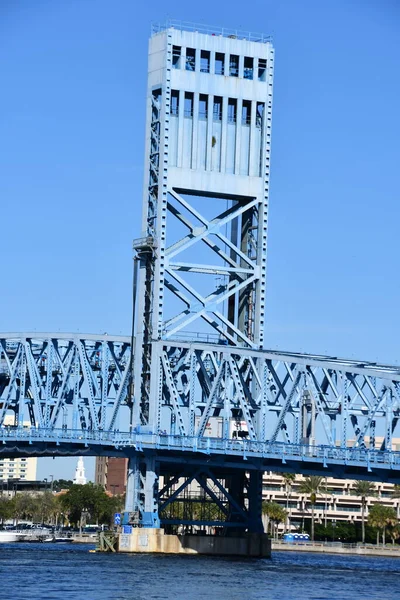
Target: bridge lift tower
{"x": 201, "y": 258}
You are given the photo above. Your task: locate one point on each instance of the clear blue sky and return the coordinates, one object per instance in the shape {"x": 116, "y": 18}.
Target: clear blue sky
{"x": 72, "y": 112}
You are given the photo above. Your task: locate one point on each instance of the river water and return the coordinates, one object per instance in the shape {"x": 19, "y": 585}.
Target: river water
{"x": 70, "y": 572}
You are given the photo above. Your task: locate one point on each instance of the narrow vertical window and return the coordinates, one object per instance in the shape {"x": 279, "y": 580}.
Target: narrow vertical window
{"x": 203, "y": 104}
{"x": 260, "y": 114}
{"x": 217, "y": 110}
{"x": 156, "y": 105}
{"x": 246, "y": 112}
{"x": 219, "y": 63}
{"x": 205, "y": 61}
{"x": 188, "y": 112}
{"x": 174, "y": 103}
{"x": 234, "y": 65}
{"x": 190, "y": 59}
{"x": 262, "y": 69}
{"x": 248, "y": 67}
{"x": 232, "y": 108}
{"x": 176, "y": 57}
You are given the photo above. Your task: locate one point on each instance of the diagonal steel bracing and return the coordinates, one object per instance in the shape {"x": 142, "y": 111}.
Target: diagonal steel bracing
{"x": 204, "y": 390}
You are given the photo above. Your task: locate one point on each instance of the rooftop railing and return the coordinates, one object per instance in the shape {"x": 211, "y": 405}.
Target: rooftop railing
{"x": 209, "y": 30}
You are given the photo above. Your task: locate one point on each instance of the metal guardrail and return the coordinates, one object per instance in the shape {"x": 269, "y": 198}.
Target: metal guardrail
{"x": 341, "y": 545}
{"x": 209, "y": 30}
{"x": 207, "y": 445}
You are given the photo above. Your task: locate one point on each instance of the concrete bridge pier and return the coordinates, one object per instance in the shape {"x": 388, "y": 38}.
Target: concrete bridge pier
{"x": 237, "y": 529}
{"x": 153, "y": 540}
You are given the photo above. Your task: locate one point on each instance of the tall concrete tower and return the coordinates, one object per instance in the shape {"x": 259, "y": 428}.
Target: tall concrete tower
{"x": 201, "y": 259}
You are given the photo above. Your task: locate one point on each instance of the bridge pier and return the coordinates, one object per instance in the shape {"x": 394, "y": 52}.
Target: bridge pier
{"x": 141, "y": 505}
{"x": 254, "y": 493}
{"x": 151, "y": 540}
{"x": 198, "y": 509}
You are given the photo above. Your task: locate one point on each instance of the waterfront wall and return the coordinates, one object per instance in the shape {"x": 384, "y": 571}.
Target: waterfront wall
{"x": 367, "y": 550}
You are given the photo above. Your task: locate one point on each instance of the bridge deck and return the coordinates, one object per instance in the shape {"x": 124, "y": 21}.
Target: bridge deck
{"x": 227, "y": 453}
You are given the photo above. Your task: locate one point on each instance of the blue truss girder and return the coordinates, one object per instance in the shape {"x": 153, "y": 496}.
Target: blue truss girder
{"x": 53, "y": 381}
{"x": 79, "y": 400}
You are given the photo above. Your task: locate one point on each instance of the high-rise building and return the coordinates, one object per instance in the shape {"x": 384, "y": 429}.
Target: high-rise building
{"x": 23, "y": 468}
{"x": 18, "y": 468}
{"x": 111, "y": 473}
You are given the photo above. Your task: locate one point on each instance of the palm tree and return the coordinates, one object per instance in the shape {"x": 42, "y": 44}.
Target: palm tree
{"x": 394, "y": 532}
{"x": 288, "y": 479}
{"x": 363, "y": 489}
{"x": 313, "y": 486}
{"x": 276, "y": 514}
{"x": 381, "y": 516}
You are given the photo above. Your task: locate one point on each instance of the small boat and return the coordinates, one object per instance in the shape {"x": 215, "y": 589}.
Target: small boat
{"x": 8, "y": 536}
{"x": 56, "y": 540}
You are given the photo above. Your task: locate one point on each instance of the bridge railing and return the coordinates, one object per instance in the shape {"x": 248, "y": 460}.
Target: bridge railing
{"x": 138, "y": 441}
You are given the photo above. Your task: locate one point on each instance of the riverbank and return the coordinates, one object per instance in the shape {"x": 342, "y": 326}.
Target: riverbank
{"x": 337, "y": 548}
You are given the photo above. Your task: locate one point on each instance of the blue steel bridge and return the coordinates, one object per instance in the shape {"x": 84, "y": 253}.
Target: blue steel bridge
{"x": 71, "y": 395}
{"x": 210, "y": 410}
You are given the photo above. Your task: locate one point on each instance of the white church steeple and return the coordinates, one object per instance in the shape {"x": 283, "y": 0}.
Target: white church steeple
{"x": 80, "y": 478}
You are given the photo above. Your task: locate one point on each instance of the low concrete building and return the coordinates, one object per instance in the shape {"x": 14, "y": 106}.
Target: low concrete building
{"x": 338, "y": 504}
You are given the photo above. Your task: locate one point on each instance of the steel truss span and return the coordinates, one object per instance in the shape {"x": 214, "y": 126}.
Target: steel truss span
{"x": 64, "y": 382}
{"x": 71, "y": 393}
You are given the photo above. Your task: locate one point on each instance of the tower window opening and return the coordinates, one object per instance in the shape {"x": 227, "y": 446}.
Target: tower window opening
{"x": 190, "y": 59}
{"x": 203, "y": 106}
{"x": 217, "y": 110}
{"x": 219, "y": 63}
{"x": 246, "y": 112}
{"x": 205, "y": 61}
{"x": 174, "y": 103}
{"x": 176, "y": 57}
{"x": 262, "y": 69}
{"x": 232, "y": 110}
{"x": 248, "y": 67}
{"x": 260, "y": 114}
{"x": 188, "y": 111}
{"x": 234, "y": 65}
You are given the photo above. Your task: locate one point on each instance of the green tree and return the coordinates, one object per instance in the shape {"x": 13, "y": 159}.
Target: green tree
{"x": 24, "y": 507}
{"x": 312, "y": 486}
{"x": 381, "y": 517}
{"x": 394, "y": 532}
{"x": 45, "y": 507}
{"x": 364, "y": 490}
{"x": 6, "y": 508}
{"x": 87, "y": 499}
{"x": 276, "y": 514}
{"x": 62, "y": 484}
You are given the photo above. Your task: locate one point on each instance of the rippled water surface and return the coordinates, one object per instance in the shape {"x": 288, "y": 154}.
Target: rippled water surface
{"x": 69, "y": 571}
